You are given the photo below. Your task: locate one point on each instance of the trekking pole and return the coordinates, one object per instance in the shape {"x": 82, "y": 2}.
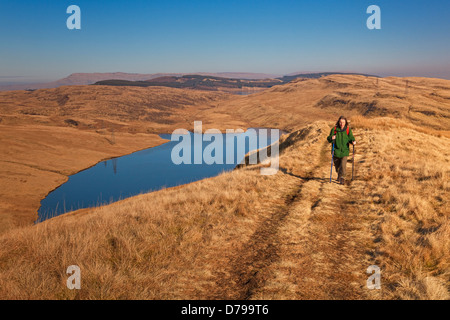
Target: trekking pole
{"x": 353, "y": 163}
{"x": 332, "y": 156}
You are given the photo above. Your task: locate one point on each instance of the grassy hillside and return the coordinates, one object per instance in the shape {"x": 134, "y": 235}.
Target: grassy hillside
{"x": 241, "y": 235}
{"x": 47, "y": 135}
{"x": 124, "y": 109}
{"x": 199, "y": 82}
{"x": 421, "y": 101}
{"x": 317, "y": 75}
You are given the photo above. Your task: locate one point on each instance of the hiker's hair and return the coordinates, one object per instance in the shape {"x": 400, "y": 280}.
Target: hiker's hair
{"x": 342, "y": 117}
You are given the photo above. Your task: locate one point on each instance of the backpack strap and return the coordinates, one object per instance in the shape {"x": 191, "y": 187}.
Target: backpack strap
{"x": 348, "y": 130}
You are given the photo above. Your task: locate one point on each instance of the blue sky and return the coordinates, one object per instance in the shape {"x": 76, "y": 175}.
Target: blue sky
{"x": 276, "y": 37}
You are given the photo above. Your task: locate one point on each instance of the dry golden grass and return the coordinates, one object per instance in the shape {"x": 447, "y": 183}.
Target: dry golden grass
{"x": 406, "y": 186}
{"x": 43, "y": 130}
{"x": 124, "y": 109}
{"x": 242, "y": 235}
{"x": 47, "y": 135}
{"x": 151, "y": 247}
{"x": 37, "y": 159}
{"x": 303, "y": 101}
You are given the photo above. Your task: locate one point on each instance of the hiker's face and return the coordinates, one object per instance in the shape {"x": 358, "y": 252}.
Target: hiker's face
{"x": 342, "y": 123}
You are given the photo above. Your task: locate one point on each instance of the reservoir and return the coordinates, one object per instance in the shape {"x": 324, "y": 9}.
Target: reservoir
{"x": 141, "y": 172}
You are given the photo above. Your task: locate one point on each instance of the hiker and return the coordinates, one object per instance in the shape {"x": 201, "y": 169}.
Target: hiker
{"x": 341, "y": 136}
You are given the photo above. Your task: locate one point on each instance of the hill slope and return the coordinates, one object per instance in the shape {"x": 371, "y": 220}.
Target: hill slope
{"x": 199, "y": 82}
{"x": 90, "y": 78}
{"x": 422, "y": 101}
{"x": 47, "y": 135}
{"x": 242, "y": 235}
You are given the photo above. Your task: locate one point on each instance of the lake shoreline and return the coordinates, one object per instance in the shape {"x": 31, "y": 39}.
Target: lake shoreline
{"x": 87, "y": 168}
{"x": 76, "y": 197}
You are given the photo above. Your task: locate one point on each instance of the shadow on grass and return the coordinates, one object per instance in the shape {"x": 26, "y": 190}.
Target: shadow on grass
{"x": 308, "y": 178}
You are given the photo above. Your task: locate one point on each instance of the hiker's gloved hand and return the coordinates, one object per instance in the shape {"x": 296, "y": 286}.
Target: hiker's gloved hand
{"x": 354, "y": 142}
{"x": 333, "y": 138}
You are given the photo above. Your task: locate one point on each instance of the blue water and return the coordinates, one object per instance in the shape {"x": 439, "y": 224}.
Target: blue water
{"x": 140, "y": 172}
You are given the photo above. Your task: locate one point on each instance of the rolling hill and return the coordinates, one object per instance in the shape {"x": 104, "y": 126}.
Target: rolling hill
{"x": 422, "y": 101}
{"x": 241, "y": 235}
{"x": 198, "y": 82}
{"x": 91, "y": 78}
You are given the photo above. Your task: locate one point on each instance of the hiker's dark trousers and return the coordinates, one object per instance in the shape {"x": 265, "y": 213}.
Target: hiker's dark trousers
{"x": 341, "y": 166}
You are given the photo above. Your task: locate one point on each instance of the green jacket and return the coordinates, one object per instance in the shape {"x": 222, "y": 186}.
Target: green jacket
{"x": 341, "y": 144}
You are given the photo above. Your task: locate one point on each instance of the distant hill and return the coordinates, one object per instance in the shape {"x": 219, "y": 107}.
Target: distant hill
{"x": 91, "y": 78}
{"x": 94, "y": 78}
{"x": 80, "y": 79}
{"x": 202, "y": 82}
{"x": 316, "y": 75}
{"x": 207, "y": 82}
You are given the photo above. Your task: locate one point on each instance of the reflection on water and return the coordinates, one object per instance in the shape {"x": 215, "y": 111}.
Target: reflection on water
{"x": 114, "y": 164}
{"x": 143, "y": 171}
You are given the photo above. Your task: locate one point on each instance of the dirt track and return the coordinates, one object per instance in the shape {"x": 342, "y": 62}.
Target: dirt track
{"x": 309, "y": 248}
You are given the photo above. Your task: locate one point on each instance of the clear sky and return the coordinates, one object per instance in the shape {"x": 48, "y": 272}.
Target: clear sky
{"x": 276, "y": 37}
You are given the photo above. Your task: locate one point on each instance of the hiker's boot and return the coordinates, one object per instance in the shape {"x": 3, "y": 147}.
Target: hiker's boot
{"x": 341, "y": 181}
